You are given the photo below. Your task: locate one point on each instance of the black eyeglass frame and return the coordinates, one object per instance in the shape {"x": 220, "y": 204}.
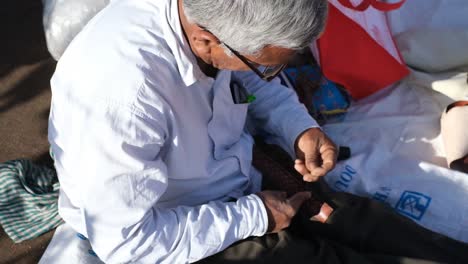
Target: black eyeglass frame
{"x": 262, "y": 75}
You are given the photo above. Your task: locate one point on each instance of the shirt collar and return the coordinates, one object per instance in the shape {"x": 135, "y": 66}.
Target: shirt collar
{"x": 185, "y": 59}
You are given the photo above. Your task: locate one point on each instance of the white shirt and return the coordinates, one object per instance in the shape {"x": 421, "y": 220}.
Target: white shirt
{"x": 152, "y": 155}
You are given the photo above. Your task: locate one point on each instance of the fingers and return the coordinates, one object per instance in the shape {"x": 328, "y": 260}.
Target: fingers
{"x": 300, "y": 167}
{"x": 296, "y": 201}
{"x": 306, "y": 175}
{"x": 326, "y": 162}
{"x": 314, "y": 166}
{"x": 317, "y": 163}
{"x": 281, "y": 210}
{"x": 329, "y": 154}
{"x": 311, "y": 160}
{"x": 317, "y": 173}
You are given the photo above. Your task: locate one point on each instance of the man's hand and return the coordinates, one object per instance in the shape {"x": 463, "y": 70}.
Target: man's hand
{"x": 281, "y": 209}
{"x": 316, "y": 154}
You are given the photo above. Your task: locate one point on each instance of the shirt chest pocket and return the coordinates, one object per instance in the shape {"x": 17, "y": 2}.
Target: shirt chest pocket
{"x": 228, "y": 120}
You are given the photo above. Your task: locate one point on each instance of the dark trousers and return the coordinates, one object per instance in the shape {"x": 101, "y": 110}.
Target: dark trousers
{"x": 360, "y": 230}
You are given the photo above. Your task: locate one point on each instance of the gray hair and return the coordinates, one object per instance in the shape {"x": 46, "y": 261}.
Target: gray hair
{"x": 249, "y": 25}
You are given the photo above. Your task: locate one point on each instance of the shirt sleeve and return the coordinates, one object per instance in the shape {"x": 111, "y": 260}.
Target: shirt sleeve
{"x": 110, "y": 165}
{"x": 276, "y": 110}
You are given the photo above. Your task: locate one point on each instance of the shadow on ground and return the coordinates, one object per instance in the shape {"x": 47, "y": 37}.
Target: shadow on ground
{"x": 25, "y": 70}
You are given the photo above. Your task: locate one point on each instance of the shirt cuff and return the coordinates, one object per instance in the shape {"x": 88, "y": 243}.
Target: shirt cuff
{"x": 255, "y": 212}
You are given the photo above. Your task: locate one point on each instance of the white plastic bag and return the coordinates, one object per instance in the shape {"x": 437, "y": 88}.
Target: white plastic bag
{"x": 63, "y": 19}
{"x": 432, "y": 36}
{"x": 67, "y": 246}
{"x": 398, "y": 158}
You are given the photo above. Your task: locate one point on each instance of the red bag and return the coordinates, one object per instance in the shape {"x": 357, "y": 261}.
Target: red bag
{"x": 357, "y": 49}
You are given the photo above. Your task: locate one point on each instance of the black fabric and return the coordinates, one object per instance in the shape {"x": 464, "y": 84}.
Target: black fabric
{"x": 289, "y": 248}
{"x": 371, "y": 227}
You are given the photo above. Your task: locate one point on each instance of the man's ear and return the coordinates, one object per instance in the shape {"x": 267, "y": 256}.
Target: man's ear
{"x": 203, "y": 42}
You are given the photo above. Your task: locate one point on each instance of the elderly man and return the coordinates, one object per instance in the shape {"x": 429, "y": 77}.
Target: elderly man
{"x": 147, "y": 127}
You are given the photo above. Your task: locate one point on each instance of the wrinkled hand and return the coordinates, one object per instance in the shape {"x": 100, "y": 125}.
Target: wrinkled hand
{"x": 316, "y": 154}
{"x": 281, "y": 209}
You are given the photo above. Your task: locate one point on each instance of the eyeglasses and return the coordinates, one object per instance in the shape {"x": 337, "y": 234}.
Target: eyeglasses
{"x": 266, "y": 73}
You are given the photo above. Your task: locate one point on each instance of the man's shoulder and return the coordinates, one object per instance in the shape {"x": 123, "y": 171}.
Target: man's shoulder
{"x": 117, "y": 52}
{"x": 121, "y": 31}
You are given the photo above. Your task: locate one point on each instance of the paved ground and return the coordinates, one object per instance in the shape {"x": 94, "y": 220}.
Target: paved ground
{"x": 25, "y": 70}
